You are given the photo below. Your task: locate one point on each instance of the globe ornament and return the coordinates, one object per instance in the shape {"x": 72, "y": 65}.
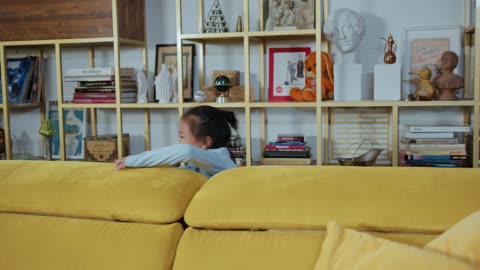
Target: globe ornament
{"x": 222, "y": 84}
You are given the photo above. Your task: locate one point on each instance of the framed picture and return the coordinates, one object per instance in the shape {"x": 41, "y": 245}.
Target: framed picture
{"x": 167, "y": 54}
{"x": 288, "y": 14}
{"x": 74, "y": 130}
{"x": 423, "y": 47}
{"x": 286, "y": 70}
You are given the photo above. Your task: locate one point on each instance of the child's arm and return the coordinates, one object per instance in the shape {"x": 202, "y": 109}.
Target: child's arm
{"x": 212, "y": 160}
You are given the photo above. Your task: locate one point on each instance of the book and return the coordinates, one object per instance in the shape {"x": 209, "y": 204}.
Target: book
{"x": 432, "y": 135}
{"x": 78, "y": 95}
{"x": 429, "y": 140}
{"x": 437, "y": 147}
{"x": 103, "y": 89}
{"x": 105, "y": 84}
{"x": 103, "y": 100}
{"x": 19, "y": 78}
{"x": 286, "y": 154}
{"x": 285, "y": 146}
{"x": 435, "y": 157}
{"x": 286, "y": 161}
{"x": 439, "y": 129}
{"x": 97, "y": 71}
{"x": 290, "y": 137}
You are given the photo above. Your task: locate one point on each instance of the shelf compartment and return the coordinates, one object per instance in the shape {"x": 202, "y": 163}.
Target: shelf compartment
{"x": 283, "y": 104}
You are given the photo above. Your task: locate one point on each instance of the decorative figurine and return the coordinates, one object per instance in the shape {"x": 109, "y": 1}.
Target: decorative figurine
{"x": 215, "y": 22}
{"x": 47, "y": 130}
{"x": 274, "y": 15}
{"x": 222, "y": 84}
{"x": 239, "y": 24}
{"x": 142, "y": 85}
{"x": 447, "y": 82}
{"x": 162, "y": 87}
{"x": 389, "y": 49}
{"x": 346, "y": 28}
{"x": 425, "y": 89}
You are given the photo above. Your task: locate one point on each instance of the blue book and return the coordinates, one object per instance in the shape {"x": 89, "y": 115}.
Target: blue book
{"x": 19, "y": 78}
{"x": 283, "y": 143}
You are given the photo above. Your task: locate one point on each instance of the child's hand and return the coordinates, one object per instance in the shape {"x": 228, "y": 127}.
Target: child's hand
{"x": 120, "y": 164}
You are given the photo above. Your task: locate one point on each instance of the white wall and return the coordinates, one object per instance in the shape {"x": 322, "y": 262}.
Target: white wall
{"x": 382, "y": 17}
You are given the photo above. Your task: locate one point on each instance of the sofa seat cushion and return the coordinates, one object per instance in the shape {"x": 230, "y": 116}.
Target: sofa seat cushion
{"x": 390, "y": 199}
{"x": 274, "y": 249}
{"x": 57, "y": 243}
{"x": 96, "y": 190}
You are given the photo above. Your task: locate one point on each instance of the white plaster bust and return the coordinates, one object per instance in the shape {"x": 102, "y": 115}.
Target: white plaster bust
{"x": 346, "y": 28}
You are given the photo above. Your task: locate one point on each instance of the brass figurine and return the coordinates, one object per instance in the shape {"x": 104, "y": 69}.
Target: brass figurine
{"x": 425, "y": 89}
{"x": 389, "y": 49}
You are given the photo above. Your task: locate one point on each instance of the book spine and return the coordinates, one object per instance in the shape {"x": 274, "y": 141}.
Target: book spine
{"x": 274, "y": 154}
{"x": 289, "y": 138}
{"x": 286, "y": 161}
{"x": 94, "y": 100}
{"x": 275, "y": 147}
{"x": 95, "y": 83}
{"x": 431, "y": 135}
{"x": 435, "y": 157}
{"x": 439, "y": 129}
{"x": 94, "y": 95}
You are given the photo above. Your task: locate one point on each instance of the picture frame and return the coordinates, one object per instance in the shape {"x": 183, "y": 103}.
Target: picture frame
{"x": 167, "y": 53}
{"x": 75, "y": 127}
{"x": 281, "y": 77}
{"x": 423, "y": 47}
{"x": 276, "y": 15}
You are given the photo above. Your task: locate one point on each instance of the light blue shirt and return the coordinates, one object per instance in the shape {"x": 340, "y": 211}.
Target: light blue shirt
{"x": 207, "y": 162}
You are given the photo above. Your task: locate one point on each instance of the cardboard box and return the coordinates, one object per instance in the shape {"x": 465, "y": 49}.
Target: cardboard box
{"x": 103, "y": 148}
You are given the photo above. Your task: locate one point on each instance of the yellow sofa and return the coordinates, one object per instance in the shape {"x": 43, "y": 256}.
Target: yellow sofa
{"x": 81, "y": 215}
{"x": 76, "y": 215}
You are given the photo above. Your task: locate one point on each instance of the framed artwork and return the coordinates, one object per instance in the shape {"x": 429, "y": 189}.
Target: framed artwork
{"x": 167, "y": 54}
{"x": 423, "y": 47}
{"x": 286, "y": 70}
{"x": 288, "y": 14}
{"x": 74, "y": 130}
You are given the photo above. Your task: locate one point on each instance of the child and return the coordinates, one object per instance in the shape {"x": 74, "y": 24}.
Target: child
{"x": 203, "y": 135}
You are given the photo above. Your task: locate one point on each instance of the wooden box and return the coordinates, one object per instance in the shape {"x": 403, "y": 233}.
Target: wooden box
{"x": 236, "y": 93}
{"x": 233, "y": 75}
{"x": 67, "y": 19}
{"x": 103, "y": 148}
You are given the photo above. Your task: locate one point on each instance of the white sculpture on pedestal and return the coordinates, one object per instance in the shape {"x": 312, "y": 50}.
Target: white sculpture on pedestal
{"x": 346, "y": 29}
{"x": 163, "y": 85}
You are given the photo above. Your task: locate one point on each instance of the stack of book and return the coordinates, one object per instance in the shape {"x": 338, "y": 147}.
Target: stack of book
{"x": 238, "y": 150}
{"x": 288, "y": 149}
{"x": 439, "y": 146}
{"x": 24, "y": 80}
{"x": 97, "y": 85}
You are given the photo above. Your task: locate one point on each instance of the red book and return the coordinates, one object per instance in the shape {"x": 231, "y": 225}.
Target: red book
{"x": 290, "y": 138}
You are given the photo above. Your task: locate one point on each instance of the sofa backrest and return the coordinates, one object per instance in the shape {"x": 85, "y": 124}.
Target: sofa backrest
{"x": 81, "y": 215}
{"x": 275, "y": 217}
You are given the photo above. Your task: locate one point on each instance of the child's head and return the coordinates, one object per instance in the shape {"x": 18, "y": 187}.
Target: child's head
{"x": 207, "y": 127}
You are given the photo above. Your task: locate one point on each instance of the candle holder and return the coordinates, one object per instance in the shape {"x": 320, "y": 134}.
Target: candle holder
{"x": 47, "y": 131}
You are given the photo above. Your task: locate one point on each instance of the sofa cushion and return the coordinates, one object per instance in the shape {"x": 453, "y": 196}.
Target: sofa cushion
{"x": 57, "y": 243}
{"x": 240, "y": 250}
{"x": 350, "y": 249}
{"x": 96, "y": 190}
{"x": 428, "y": 200}
{"x": 462, "y": 240}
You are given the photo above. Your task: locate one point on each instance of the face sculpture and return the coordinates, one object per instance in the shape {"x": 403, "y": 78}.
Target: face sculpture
{"x": 346, "y": 37}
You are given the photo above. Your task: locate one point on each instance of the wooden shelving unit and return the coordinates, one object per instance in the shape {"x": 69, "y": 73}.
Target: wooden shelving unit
{"x": 322, "y": 109}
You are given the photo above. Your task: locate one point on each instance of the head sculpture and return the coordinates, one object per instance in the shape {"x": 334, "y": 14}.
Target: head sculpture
{"x": 346, "y": 28}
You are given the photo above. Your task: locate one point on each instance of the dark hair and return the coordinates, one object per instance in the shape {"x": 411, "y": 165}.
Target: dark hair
{"x": 209, "y": 121}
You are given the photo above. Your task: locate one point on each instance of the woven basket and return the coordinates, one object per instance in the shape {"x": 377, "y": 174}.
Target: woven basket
{"x": 366, "y": 159}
